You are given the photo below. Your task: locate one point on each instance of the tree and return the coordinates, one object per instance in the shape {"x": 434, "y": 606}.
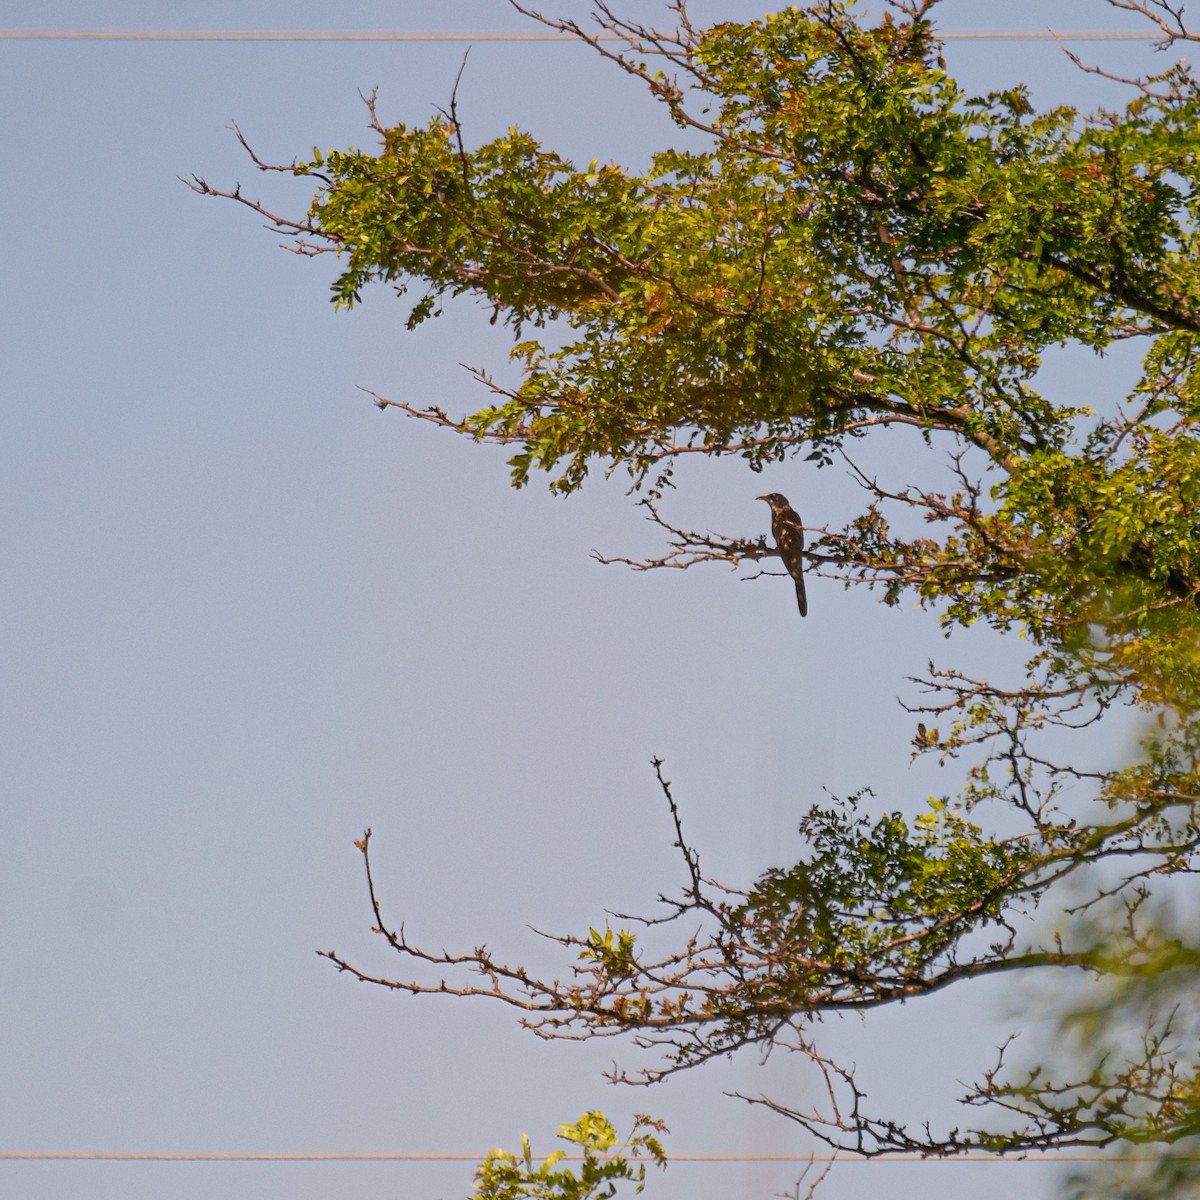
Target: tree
{"x": 858, "y": 244}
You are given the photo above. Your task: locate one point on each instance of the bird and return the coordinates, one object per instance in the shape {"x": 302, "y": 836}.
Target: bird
{"x": 789, "y": 541}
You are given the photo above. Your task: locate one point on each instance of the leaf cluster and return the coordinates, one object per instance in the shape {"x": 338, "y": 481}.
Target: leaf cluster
{"x": 607, "y": 1162}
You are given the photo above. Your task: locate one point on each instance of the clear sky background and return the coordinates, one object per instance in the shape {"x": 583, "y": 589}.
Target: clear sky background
{"x": 246, "y": 615}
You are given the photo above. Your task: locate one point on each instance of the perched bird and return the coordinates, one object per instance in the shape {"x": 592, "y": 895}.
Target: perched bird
{"x": 789, "y": 541}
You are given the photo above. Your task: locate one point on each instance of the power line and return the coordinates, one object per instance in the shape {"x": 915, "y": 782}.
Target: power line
{"x": 1049, "y": 1159}
{"x": 284, "y": 35}
{"x": 268, "y": 35}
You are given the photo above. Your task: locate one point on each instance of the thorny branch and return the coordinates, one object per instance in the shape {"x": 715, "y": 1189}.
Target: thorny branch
{"x": 759, "y": 965}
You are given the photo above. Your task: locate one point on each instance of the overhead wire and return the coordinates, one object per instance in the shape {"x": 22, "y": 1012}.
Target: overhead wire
{"x": 284, "y": 35}
{"x": 1047, "y": 1159}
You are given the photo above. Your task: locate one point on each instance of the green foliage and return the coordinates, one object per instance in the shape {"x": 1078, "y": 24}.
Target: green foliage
{"x": 606, "y": 1163}
{"x": 875, "y": 893}
{"x": 861, "y": 245}
{"x": 861, "y": 239}
{"x": 612, "y": 951}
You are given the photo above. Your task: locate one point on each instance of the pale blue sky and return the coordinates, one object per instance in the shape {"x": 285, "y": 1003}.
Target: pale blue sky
{"x": 248, "y": 615}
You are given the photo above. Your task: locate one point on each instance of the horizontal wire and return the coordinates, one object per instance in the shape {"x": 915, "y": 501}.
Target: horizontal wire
{"x": 268, "y": 35}
{"x": 246, "y": 35}
{"x": 1044, "y": 1159}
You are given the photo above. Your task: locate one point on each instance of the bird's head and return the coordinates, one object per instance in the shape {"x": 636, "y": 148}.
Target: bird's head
{"x": 774, "y": 499}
